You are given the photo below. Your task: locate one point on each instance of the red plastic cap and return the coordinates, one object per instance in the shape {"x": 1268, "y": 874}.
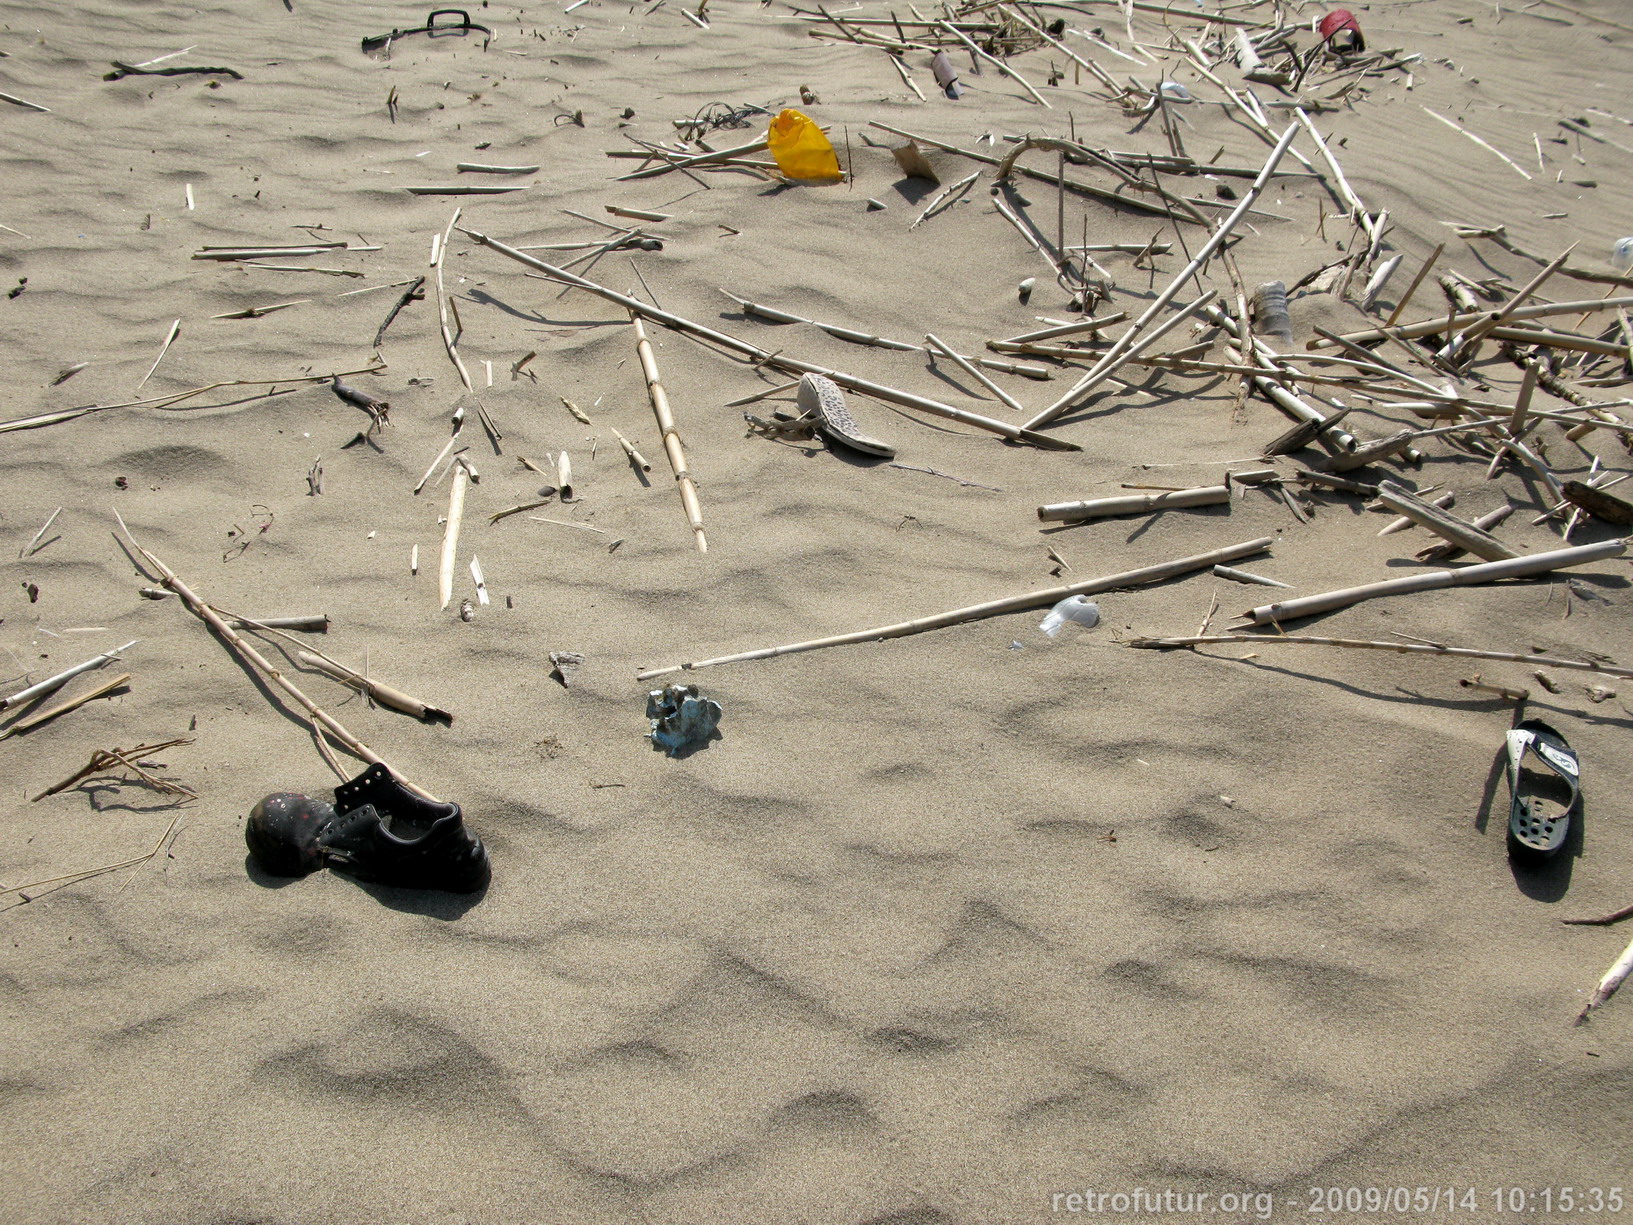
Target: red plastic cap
{"x": 1338, "y": 21}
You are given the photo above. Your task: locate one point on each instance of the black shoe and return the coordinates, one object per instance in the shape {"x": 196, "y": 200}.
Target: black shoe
{"x": 283, "y": 833}
{"x": 386, "y": 834}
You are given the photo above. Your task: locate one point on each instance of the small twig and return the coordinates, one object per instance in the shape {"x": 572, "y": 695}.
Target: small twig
{"x": 45, "y": 527}
{"x": 175, "y": 329}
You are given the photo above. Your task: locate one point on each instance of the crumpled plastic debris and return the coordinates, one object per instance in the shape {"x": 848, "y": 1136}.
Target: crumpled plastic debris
{"x": 1076, "y": 608}
{"x": 681, "y": 717}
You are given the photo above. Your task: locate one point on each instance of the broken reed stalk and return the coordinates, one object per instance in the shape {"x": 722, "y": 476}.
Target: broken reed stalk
{"x": 62, "y": 708}
{"x": 1443, "y": 523}
{"x": 383, "y": 694}
{"x": 671, "y": 438}
{"x": 1103, "y": 369}
{"x": 635, "y": 457}
{"x": 1442, "y": 323}
{"x": 450, "y": 533}
{"x": 1137, "y": 504}
{"x": 62, "y": 678}
{"x": 993, "y": 608}
{"x": 1613, "y": 978}
{"x": 776, "y": 360}
{"x": 316, "y": 717}
{"x": 448, "y": 341}
{"x": 1486, "y": 572}
{"x": 68, "y": 878}
{"x": 969, "y": 368}
{"x": 170, "y": 338}
{"x": 1407, "y": 648}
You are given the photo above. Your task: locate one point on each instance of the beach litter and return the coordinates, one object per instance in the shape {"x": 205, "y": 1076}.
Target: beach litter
{"x": 682, "y": 718}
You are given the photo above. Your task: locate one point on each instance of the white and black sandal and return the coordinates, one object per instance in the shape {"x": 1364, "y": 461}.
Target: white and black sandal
{"x": 1545, "y": 782}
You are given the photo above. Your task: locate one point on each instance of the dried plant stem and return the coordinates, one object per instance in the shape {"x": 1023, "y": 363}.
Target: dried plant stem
{"x": 1513, "y": 165}
{"x": 383, "y": 694}
{"x": 997, "y": 63}
{"x": 170, "y": 337}
{"x": 1104, "y": 368}
{"x": 104, "y": 759}
{"x": 62, "y": 708}
{"x": 450, "y": 534}
{"x": 1442, "y": 323}
{"x": 671, "y": 437}
{"x": 448, "y": 341}
{"x": 1018, "y": 603}
{"x": 1615, "y": 916}
{"x": 86, "y": 874}
{"x": 1613, "y": 978}
{"x": 777, "y": 360}
{"x": 1405, "y": 648}
{"x": 1486, "y": 572}
{"x": 316, "y": 716}
{"x": 635, "y": 457}
{"x": 969, "y": 368}
{"x": 62, "y": 678}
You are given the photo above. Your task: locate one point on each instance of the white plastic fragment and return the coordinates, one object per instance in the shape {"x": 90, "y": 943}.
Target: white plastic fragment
{"x": 1075, "y": 608}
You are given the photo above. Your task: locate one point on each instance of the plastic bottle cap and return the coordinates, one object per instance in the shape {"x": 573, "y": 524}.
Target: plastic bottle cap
{"x": 1621, "y": 255}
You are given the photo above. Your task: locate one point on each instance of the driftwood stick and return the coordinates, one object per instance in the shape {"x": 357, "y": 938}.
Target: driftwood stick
{"x": 963, "y": 363}
{"x": 1403, "y": 648}
{"x": 1109, "y": 363}
{"x": 1613, "y": 978}
{"x": 1615, "y": 916}
{"x": 1018, "y": 603}
{"x": 1528, "y": 566}
{"x": 450, "y": 533}
{"x": 1136, "y": 504}
{"x": 315, "y": 716}
{"x": 1413, "y": 287}
{"x": 62, "y": 678}
{"x": 1444, "y": 501}
{"x": 1440, "y": 324}
{"x": 383, "y": 694}
{"x": 413, "y": 293}
{"x": 1443, "y": 523}
{"x": 671, "y": 437}
{"x": 62, "y": 708}
{"x": 777, "y": 360}
{"x": 1487, "y": 521}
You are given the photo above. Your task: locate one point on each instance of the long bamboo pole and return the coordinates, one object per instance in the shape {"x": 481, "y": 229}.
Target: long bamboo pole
{"x": 1406, "y": 648}
{"x": 317, "y": 717}
{"x": 671, "y": 437}
{"x": 1103, "y": 369}
{"x": 1486, "y": 572}
{"x": 778, "y": 360}
{"x": 1017, "y": 603}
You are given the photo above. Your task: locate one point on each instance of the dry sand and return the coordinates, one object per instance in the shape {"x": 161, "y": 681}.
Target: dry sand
{"x": 940, "y": 927}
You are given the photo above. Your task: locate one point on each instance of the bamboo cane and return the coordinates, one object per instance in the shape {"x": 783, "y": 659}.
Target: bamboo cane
{"x": 1440, "y": 324}
{"x": 1138, "y": 504}
{"x": 969, "y": 368}
{"x": 1613, "y": 978}
{"x": 316, "y": 716}
{"x": 671, "y": 438}
{"x": 62, "y": 708}
{"x": 1405, "y": 648}
{"x": 62, "y": 678}
{"x": 1486, "y": 572}
{"x": 993, "y": 608}
{"x": 777, "y": 360}
{"x": 1109, "y": 363}
{"x": 450, "y": 534}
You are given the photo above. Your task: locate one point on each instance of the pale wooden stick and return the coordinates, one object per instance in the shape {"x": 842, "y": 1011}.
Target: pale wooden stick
{"x": 1487, "y": 521}
{"x": 1018, "y": 603}
{"x": 1067, "y": 329}
{"x": 1613, "y": 978}
{"x": 24, "y": 103}
{"x": 44, "y": 528}
{"x": 671, "y": 438}
{"x": 778, "y": 360}
{"x": 450, "y": 533}
{"x": 442, "y": 310}
{"x": 1243, "y": 576}
{"x": 384, "y": 694}
{"x": 62, "y": 678}
{"x": 946, "y": 194}
{"x": 469, "y": 189}
{"x": 635, "y": 457}
{"x": 1405, "y": 648}
{"x": 1472, "y": 336}
{"x": 782, "y": 316}
{"x": 1486, "y": 572}
{"x": 1108, "y": 364}
{"x": 479, "y": 168}
{"x": 902, "y": 70}
{"x": 62, "y": 708}
{"x": 1444, "y": 501}
{"x": 1439, "y": 324}
{"x": 1515, "y": 166}
{"x": 1138, "y": 504}
{"x": 441, "y": 455}
{"x": 236, "y": 641}
{"x": 1442, "y": 523}
{"x": 1413, "y": 287}
{"x": 169, "y": 339}
{"x": 973, "y": 371}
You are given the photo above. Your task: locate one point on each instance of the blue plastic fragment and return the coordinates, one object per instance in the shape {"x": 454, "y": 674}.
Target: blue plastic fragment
{"x": 681, "y": 717}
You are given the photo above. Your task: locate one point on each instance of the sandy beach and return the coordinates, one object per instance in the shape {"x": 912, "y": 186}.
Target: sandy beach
{"x": 963, "y": 927}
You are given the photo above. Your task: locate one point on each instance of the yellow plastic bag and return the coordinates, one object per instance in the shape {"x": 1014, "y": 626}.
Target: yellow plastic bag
{"x": 801, "y": 150}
